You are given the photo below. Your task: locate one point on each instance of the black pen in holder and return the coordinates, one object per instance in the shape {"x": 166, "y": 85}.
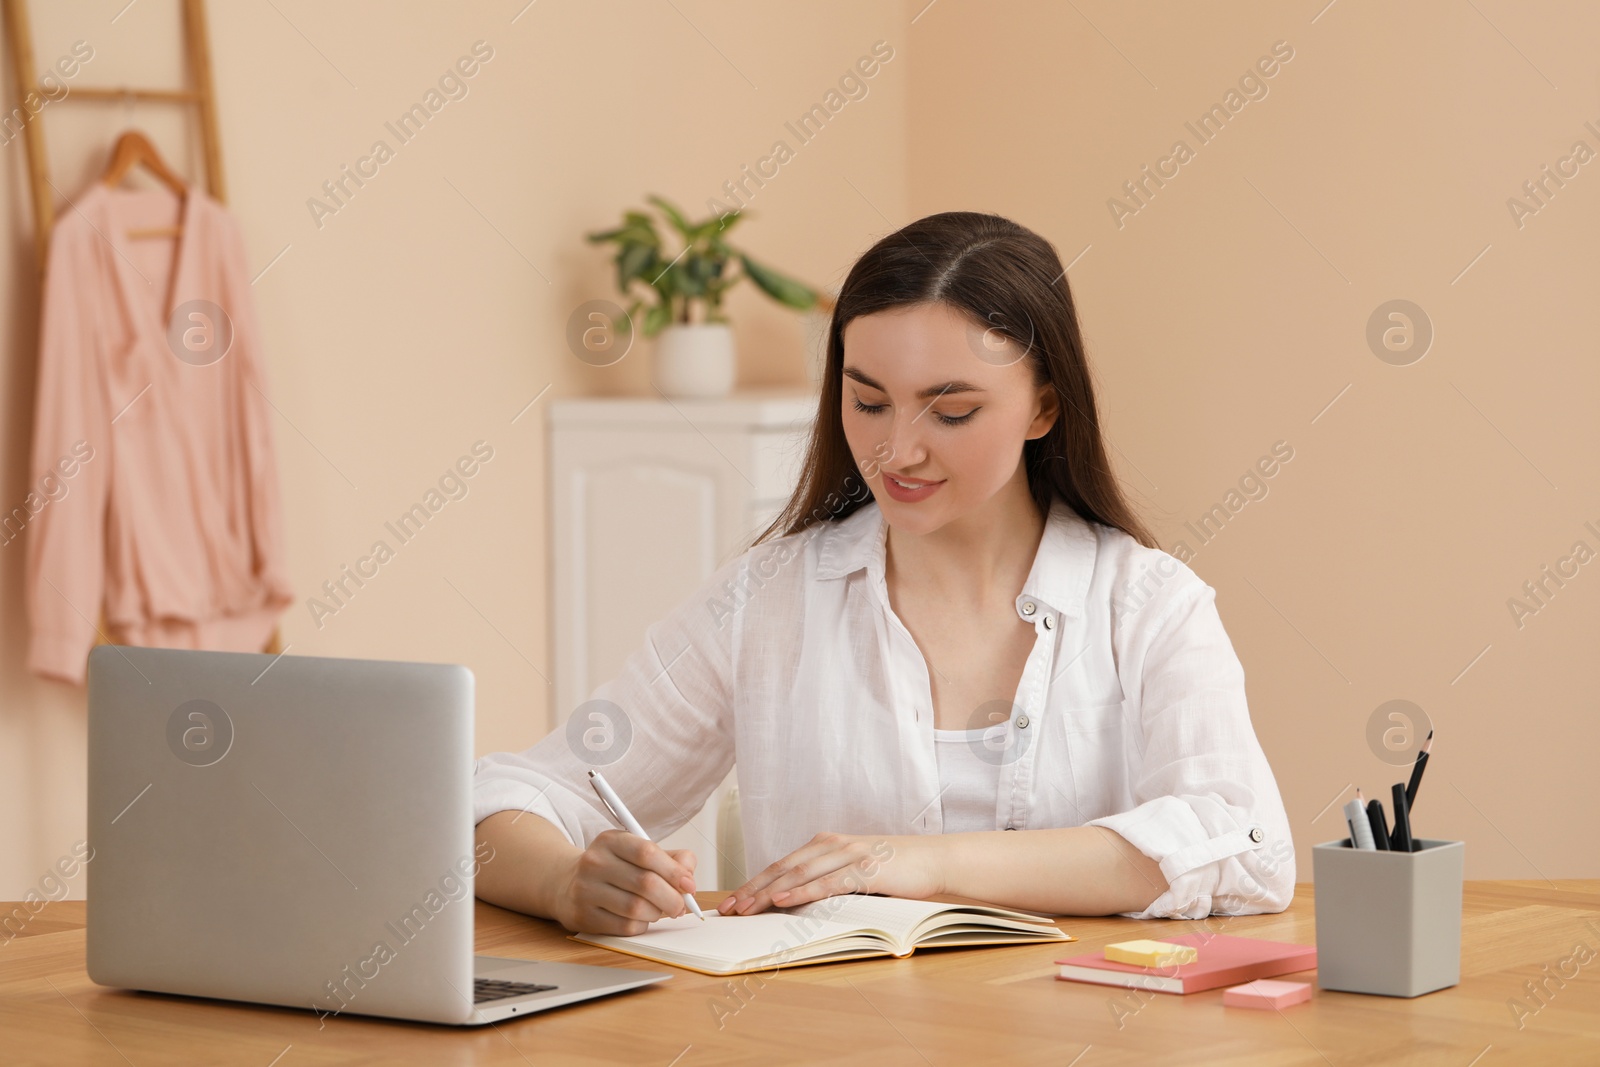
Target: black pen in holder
{"x": 1400, "y": 840}
{"x": 1379, "y": 824}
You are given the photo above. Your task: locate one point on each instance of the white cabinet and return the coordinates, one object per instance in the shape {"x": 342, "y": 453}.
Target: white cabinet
{"x": 648, "y": 498}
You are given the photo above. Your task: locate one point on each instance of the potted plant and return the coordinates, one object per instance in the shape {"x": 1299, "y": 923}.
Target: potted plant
{"x": 694, "y": 354}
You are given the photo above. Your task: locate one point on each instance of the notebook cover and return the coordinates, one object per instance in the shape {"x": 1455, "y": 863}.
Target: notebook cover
{"x": 1224, "y": 960}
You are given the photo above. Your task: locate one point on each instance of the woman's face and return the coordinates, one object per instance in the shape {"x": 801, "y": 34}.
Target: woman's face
{"x": 932, "y": 401}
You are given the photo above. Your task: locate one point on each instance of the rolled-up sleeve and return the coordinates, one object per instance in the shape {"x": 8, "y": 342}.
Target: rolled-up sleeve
{"x": 661, "y": 731}
{"x": 1208, "y": 808}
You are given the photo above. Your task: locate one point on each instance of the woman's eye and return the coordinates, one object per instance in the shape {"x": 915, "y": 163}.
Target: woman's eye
{"x": 947, "y": 420}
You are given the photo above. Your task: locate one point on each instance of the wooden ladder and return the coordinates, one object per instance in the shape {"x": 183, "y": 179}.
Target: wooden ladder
{"x": 202, "y": 95}
{"x": 19, "y": 35}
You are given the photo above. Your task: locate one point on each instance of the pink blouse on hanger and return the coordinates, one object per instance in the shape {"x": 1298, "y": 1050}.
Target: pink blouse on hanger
{"x": 153, "y": 489}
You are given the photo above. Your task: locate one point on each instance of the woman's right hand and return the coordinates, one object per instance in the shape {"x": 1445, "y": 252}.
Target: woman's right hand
{"x": 620, "y": 884}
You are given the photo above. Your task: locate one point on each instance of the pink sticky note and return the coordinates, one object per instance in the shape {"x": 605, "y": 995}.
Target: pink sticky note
{"x": 1266, "y": 993}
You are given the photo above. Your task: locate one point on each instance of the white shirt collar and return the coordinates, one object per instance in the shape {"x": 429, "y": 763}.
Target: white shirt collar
{"x": 1058, "y": 580}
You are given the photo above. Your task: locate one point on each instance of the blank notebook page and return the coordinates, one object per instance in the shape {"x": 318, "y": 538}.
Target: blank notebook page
{"x": 897, "y": 915}
{"x": 734, "y": 938}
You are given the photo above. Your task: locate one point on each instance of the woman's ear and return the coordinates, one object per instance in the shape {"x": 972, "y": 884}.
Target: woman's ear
{"x": 1049, "y": 407}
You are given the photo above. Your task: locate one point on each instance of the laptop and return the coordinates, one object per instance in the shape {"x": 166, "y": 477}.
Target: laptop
{"x": 297, "y": 830}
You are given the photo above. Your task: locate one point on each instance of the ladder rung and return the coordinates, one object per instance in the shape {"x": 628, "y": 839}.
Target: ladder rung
{"x": 172, "y": 96}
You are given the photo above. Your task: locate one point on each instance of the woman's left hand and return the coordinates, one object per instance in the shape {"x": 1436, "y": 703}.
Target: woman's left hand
{"x": 832, "y": 864}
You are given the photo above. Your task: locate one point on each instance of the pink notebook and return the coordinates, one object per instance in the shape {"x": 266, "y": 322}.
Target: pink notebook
{"x": 1224, "y": 960}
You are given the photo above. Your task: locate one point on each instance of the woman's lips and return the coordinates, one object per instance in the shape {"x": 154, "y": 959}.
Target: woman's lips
{"x": 908, "y": 495}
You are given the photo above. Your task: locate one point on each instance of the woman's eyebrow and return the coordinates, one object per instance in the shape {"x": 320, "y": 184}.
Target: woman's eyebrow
{"x": 932, "y": 391}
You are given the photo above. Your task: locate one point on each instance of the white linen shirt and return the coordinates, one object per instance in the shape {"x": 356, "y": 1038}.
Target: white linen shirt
{"x": 789, "y": 664}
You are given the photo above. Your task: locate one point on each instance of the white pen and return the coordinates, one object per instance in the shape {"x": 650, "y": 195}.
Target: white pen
{"x": 620, "y": 812}
{"x": 1360, "y": 829}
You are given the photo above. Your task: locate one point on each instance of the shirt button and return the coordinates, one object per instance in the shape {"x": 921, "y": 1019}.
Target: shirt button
{"x": 1022, "y": 722}
{"x": 1028, "y": 607}
{"x": 1256, "y": 835}
{"x": 1048, "y": 623}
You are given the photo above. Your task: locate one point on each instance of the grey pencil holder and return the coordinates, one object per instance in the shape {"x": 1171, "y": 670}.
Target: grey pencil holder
{"x": 1388, "y": 922}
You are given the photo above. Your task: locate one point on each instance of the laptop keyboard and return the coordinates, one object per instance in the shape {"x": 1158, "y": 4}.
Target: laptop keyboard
{"x": 485, "y": 989}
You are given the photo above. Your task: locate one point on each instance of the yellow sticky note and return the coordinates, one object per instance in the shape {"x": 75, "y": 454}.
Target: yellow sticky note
{"x": 1145, "y": 953}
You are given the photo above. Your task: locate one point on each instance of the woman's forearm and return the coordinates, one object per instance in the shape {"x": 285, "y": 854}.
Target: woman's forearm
{"x": 1077, "y": 870}
{"x": 531, "y": 857}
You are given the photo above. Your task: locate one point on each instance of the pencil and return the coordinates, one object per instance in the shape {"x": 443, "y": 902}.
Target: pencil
{"x": 1416, "y": 773}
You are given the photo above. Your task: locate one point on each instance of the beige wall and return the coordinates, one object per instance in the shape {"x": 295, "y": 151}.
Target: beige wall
{"x": 1228, "y": 313}
{"x": 408, "y": 326}
{"x": 1223, "y": 317}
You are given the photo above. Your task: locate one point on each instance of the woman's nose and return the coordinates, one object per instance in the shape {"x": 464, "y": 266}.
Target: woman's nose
{"x": 905, "y": 442}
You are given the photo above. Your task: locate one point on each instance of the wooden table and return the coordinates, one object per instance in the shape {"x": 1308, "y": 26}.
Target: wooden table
{"x": 953, "y": 1006}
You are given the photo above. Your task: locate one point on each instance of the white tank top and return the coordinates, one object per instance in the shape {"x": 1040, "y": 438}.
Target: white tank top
{"x": 969, "y": 784}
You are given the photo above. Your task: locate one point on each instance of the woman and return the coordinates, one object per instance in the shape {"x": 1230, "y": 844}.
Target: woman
{"x": 962, "y": 630}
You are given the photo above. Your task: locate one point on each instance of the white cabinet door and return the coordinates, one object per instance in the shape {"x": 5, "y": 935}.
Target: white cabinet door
{"x": 630, "y": 523}
{"x": 648, "y": 498}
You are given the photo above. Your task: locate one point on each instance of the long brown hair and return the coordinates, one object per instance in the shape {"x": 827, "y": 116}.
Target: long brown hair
{"x": 1005, "y": 278}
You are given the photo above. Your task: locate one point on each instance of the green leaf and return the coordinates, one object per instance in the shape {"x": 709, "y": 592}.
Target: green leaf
{"x": 705, "y": 231}
{"x": 674, "y": 216}
{"x": 631, "y": 234}
{"x": 655, "y": 319}
{"x": 781, "y": 288}
{"x": 701, "y": 270}
{"x": 634, "y": 261}
{"x": 667, "y": 278}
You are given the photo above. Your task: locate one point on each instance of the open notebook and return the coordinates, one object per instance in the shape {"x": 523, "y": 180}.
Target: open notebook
{"x": 845, "y": 927}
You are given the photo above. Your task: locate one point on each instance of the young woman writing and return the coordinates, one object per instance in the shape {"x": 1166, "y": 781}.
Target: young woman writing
{"x": 955, "y": 664}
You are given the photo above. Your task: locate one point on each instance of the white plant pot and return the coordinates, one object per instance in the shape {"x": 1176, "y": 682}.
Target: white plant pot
{"x": 694, "y": 359}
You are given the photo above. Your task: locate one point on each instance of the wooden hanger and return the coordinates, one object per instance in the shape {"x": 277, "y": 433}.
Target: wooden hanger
{"x": 134, "y": 148}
